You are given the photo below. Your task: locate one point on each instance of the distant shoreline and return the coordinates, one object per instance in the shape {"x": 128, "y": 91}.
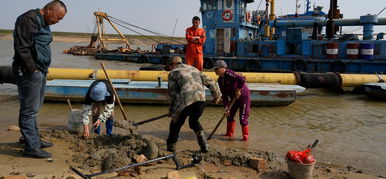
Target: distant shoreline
{"x": 74, "y": 37}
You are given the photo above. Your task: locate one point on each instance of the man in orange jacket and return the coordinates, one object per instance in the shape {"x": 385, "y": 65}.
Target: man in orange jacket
{"x": 196, "y": 38}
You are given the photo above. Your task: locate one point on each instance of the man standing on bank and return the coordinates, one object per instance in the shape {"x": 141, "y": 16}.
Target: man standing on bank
{"x": 32, "y": 38}
{"x": 186, "y": 90}
{"x": 99, "y": 103}
{"x": 232, "y": 86}
{"x": 196, "y": 38}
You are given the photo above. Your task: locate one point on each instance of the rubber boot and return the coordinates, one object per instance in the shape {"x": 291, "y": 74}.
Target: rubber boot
{"x": 230, "y": 128}
{"x": 245, "y": 132}
{"x": 171, "y": 146}
{"x": 202, "y": 142}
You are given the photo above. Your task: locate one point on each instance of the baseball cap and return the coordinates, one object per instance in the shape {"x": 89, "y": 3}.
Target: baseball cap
{"x": 176, "y": 59}
{"x": 219, "y": 64}
{"x": 99, "y": 92}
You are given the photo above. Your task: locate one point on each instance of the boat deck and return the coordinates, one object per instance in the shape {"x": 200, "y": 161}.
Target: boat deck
{"x": 148, "y": 92}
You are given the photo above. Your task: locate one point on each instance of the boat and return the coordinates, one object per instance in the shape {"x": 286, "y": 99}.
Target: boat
{"x": 154, "y": 92}
{"x": 259, "y": 41}
{"x": 376, "y": 91}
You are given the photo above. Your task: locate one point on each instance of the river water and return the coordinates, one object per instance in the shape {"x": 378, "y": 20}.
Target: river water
{"x": 350, "y": 127}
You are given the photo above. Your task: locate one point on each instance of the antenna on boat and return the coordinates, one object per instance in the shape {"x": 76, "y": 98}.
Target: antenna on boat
{"x": 174, "y": 29}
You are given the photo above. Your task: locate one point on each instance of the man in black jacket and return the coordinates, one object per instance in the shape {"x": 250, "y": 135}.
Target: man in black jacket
{"x": 32, "y": 38}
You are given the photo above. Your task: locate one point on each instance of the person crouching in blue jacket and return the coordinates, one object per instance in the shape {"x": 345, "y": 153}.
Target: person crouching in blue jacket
{"x": 99, "y": 103}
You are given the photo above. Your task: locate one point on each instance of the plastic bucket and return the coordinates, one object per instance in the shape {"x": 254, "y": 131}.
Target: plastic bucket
{"x": 75, "y": 123}
{"x": 352, "y": 50}
{"x": 332, "y": 50}
{"x": 367, "y": 51}
{"x": 300, "y": 171}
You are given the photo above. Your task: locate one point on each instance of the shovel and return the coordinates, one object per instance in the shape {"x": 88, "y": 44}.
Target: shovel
{"x": 195, "y": 160}
{"x": 124, "y": 124}
{"x": 222, "y": 118}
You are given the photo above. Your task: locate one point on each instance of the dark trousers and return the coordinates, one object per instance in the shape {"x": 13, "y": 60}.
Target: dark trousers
{"x": 31, "y": 88}
{"x": 194, "y": 111}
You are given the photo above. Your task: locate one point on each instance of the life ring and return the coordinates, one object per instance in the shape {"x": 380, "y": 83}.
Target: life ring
{"x": 227, "y": 15}
{"x": 248, "y": 16}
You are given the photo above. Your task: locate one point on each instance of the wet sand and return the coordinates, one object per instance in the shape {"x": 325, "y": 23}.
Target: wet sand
{"x": 90, "y": 155}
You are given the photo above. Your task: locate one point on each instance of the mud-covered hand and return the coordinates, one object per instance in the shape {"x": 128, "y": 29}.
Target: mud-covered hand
{"x": 96, "y": 124}
{"x": 226, "y": 112}
{"x": 218, "y": 100}
{"x": 170, "y": 114}
{"x": 238, "y": 93}
{"x": 86, "y": 131}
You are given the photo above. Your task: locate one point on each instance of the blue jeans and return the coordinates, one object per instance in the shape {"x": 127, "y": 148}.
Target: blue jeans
{"x": 97, "y": 109}
{"x": 109, "y": 127}
{"x": 31, "y": 88}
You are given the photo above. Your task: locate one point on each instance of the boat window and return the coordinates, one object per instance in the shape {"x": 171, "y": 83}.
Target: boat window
{"x": 209, "y": 5}
{"x": 253, "y": 48}
{"x": 377, "y": 49}
{"x": 228, "y": 4}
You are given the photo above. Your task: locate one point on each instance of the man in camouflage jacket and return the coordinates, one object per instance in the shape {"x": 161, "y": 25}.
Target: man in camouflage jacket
{"x": 187, "y": 98}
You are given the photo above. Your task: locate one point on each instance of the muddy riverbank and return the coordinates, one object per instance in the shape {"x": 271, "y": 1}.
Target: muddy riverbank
{"x": 101, "y": 153}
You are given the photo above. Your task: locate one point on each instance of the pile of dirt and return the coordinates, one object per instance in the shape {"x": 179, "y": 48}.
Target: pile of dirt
{"x": 103, "y": 152}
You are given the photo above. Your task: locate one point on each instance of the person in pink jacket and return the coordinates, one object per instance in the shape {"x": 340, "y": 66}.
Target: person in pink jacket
{"x": 233, "y": 86}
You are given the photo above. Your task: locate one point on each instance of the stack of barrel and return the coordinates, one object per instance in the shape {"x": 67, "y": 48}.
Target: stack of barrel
{"x": 365, "y": 50}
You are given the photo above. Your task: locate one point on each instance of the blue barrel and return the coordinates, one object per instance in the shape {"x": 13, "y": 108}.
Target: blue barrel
{"x": 367, "y": 51}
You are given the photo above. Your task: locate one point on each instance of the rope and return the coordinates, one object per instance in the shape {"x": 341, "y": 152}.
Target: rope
{"x": 120, "y": 22}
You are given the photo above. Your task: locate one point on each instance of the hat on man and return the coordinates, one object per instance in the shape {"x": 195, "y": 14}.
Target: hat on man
{"x": 175, "y": 59}
{"x": 219, "y": 64}
{"x": 99, "y": 92}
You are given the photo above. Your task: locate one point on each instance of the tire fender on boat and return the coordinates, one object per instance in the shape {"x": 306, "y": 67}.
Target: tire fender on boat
{"x": 299, "y": 65}
{"x": 253, "y": 66}
{"x": 143, "y": 59}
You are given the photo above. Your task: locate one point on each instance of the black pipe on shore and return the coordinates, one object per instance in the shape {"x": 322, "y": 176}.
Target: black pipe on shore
{"x": 328, "y": 80}
{"x": 6, "y": 75}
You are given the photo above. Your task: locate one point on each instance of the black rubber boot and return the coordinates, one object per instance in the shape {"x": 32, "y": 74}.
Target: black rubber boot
{"x": 171, "y": 146}
{"x": 202, "y": 142}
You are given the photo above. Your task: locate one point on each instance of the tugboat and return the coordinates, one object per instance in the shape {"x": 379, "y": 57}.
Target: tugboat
{"x": 259, "y": 41}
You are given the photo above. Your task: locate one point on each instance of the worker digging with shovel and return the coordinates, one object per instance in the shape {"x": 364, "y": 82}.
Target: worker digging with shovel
{"x": 233, "y": 86}
{"x": 187, "y": 98}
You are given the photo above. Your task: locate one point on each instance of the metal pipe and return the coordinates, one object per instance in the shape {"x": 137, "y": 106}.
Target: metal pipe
{"x": 348, "y": 80}
{"x": 323, "y": 22}
{"x": 272, "y": 17}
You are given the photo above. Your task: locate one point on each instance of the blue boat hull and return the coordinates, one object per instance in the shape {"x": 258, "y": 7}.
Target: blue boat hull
{"x": 150, "y": 93}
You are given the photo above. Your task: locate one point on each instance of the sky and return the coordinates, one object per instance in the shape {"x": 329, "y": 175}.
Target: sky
{"x": 161, "y": 15}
